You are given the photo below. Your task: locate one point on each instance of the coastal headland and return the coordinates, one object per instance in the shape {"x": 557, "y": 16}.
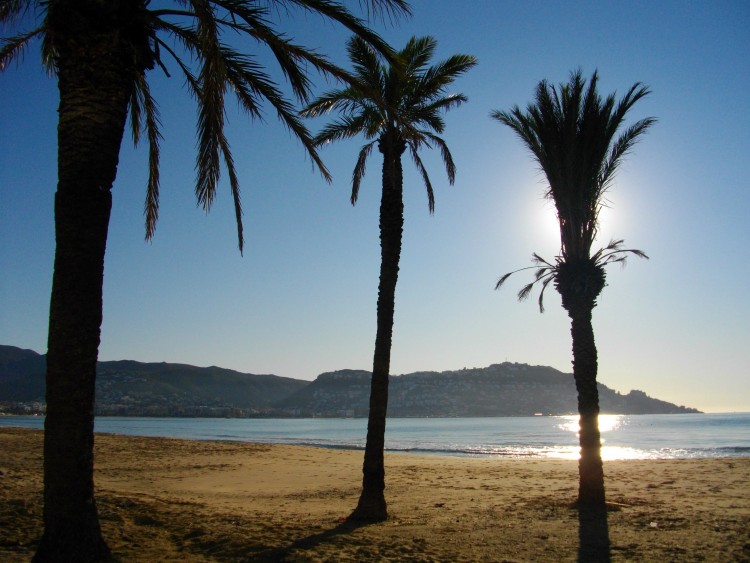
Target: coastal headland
{"x": 129, "y": 388}
{"x": 167, "y": 500}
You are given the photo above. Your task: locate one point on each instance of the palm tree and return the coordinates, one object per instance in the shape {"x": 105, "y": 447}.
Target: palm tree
{"x": 398, "y": 107}
{"x": 570, "y": 131}
{"x": 100, "y": 51}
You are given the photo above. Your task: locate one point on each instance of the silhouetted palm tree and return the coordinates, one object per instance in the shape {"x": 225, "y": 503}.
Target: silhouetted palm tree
{"x": 571, "y": 133}
{"x": 398, "y": 107}
{"x": 100, "y": 51}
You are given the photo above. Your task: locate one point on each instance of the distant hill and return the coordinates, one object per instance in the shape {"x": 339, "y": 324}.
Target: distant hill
{"x": 21, "y": 375}
{"x": 506, "y": 389}
{"x": 152, "y": 389}
{"x": 130, "y": 388}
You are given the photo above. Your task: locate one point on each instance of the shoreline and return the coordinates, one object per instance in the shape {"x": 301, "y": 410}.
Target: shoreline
{"x": 623, "y": 436}
{"x": 169, "y": 499}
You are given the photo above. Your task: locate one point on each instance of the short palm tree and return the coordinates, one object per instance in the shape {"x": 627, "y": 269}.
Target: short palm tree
{"x": 571, "y": 132}
{"x": 396, "y": 107}
{"x": 100, "y": 51}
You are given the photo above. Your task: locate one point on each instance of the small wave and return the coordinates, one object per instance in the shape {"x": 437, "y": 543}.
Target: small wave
{"x": 350, "y": 447}
{"x": 735, "y": 449}
{"x": 487, "y": 451}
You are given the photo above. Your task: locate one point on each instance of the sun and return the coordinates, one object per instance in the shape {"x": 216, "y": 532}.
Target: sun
{"x": 548, "y": 227}
{"x": 606, "y": 222}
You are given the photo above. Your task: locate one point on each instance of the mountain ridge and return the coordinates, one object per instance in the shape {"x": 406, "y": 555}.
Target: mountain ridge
{"x": 132, "y": 388}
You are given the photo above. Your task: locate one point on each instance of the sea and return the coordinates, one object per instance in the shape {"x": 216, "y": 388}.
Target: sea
{"x": 666, "y": 436}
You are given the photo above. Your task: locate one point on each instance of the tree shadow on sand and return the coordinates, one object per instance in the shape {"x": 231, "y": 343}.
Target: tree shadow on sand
{"x": 593, "y": 535}
{"x": 281, "y": 553}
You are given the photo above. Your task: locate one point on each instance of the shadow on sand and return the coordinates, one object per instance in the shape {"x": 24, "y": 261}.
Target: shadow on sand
{"x": 593, "y": 535}
{"x": 281, "y": 553}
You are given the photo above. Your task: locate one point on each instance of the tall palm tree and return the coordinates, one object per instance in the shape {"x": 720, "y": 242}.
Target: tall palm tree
{"x": 570, "y": 131}
{"x": 398, "y": 107}
{"x": 100, "y": 51}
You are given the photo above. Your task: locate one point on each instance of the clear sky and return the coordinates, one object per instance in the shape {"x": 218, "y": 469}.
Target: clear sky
{"x": 301, "y": 301}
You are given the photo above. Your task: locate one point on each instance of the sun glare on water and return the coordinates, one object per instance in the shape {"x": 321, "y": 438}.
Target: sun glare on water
{"x": 607, "y": 423}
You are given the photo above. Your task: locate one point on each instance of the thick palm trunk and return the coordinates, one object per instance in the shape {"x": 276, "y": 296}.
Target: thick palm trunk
{"x": 71, "y": 525}
{"x": 579, "y": 283}
{"x": 93, "y": 82}
{"x": 590, "y": 469}
{"x": 372, "y": 505}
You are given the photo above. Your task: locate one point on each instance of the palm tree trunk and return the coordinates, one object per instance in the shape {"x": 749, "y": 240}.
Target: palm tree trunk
{"x": 372, "y": 505}
{"x": 590, "y": 469}
{"x": 93, "y": 84}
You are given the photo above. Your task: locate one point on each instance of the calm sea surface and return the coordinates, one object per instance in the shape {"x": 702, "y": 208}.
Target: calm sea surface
{"x": 623, "y": 436}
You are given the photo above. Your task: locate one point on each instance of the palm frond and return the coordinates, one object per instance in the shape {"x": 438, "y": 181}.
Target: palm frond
{"x": 386, "y": 9}
{"x": 143, "y": 101}
{"x": 505, "y": 277}
{"x": 614, "y": 253}
{"x": 212, "y": 83}
{"x": 544, "y": 274}
{"x": 621, "y": 147}
{"x": 288, "y": 116}
{"x": 525, "y": 291}
{"x": 190, "y": 79}
{"x": 444, "y": 103}
{"x": 135, "y": 109}
{"x": 425, "y": 177}
{"x": 368, "y": 71}
{"x": 541, "y": 262}
{"x": 346, "y": 101}
{"x": 434, "y": 79}
{"x": 633, "y": 95}
{"x": 414, "y": 120}
{"x": 445, "y": 153}
{"x": 537, "y": 276}
{"x": 547, "y": 279}
{"x": 246, "y": 79}
{"x": 13, "y": 10}
{"x": 335, "y": 11}
{"x": 416, "y": 54}
{"x": 185, "y": 36}
{"x": 346, "y": 127}
{"x": 289, "y": 57}
{"x": 14, "y": 47}
{"x": 359, "y": 170}
{"x": 292, "y": 58}
{"x": 234, "y": 185}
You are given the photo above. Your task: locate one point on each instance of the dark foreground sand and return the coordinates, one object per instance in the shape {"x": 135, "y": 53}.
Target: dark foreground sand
{"x": 178, "y": 500}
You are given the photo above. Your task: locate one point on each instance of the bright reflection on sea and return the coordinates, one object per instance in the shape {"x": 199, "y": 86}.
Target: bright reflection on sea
{"x": 609, "y": 453}
{"x": 607, "y": 423}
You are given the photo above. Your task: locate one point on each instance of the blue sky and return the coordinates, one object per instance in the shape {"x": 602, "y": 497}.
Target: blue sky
{"x": 301, "y": 300}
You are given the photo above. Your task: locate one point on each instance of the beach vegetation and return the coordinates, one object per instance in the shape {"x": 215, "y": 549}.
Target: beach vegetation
{"x": 101, "y": 52}
{"x": 571, "y": 132}
{"x": 397, "y": 107}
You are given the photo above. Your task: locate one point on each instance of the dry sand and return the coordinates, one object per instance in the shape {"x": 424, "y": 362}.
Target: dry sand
{"x": 178, "y": 500}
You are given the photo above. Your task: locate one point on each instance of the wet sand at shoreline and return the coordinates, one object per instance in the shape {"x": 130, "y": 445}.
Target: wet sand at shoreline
{"x": 167, "y": 500}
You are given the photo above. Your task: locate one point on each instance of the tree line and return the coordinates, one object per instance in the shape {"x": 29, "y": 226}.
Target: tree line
{"x": 101, "y": 52}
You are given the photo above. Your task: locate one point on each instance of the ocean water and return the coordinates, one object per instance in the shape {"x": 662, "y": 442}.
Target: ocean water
{"x": 623, "y": 436}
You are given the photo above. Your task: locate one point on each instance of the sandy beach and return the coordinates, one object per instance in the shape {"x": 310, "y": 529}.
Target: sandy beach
{"x": 169, "y": 500}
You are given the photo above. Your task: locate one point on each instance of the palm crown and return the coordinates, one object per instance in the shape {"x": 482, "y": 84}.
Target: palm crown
{"x": 197, "y": 28}
{"x": 571, "y": 132}
{"x": 403, "y": 101}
